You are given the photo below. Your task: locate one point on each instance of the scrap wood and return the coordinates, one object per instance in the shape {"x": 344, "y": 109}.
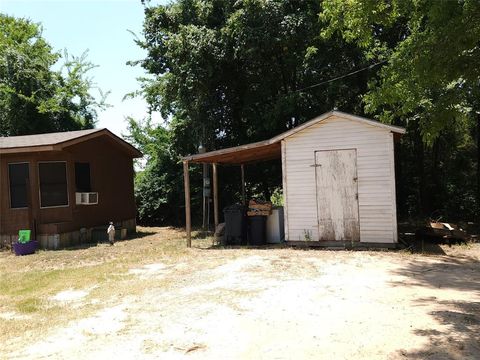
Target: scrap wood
{"x": 194, "y": 348}
{"x": 259, "y": 213}
{"x": 440, "y": 230}
{"x": 259, "y": 205}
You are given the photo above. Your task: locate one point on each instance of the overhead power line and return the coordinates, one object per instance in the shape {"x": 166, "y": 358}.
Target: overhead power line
{"x": 339, "y": 77}
{"x": 320, "y": 83}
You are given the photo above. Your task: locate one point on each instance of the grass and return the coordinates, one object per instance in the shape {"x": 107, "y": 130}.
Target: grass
{"x": 28, "y": 283}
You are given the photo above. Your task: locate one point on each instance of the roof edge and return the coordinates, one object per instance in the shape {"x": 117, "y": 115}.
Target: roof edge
{"x": 323, "y": 117}
{"x": 226, "y": 150}
{"x": 104, "y": 131}
{"x": 280, "y": 137}
{"x": 60, "y": 145}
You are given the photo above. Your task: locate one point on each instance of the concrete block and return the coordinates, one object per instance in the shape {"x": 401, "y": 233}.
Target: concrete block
{"x": 43, "y": 241}
{"x": 53, "y": 242}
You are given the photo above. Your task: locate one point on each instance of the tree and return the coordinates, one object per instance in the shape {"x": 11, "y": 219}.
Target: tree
{"x": 228, "y": 73}
{"x": 158, "y": 185}
{"x": 33, "y": 97}
{"x": 430, "y": 81}
{"x": 433, "y": 67}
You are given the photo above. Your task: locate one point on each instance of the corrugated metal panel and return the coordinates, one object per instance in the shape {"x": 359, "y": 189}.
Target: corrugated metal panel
{"x": 376, "y": 188}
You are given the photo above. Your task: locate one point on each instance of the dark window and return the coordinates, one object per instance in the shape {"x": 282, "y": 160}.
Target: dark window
{"x": 53, "y": 184}
{"x": 82, "y": 177}
{"x": 18, "y": 175}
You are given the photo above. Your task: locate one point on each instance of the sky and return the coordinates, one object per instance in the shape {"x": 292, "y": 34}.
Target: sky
{"x": 101, "y": 27}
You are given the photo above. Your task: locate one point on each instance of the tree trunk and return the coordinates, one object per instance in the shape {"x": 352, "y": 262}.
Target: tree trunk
{"x": 420, "y": 154}
{"x": 436, "y": 194}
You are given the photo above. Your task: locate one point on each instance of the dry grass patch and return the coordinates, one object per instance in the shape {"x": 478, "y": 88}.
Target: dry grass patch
{"x": 29, "y": 284}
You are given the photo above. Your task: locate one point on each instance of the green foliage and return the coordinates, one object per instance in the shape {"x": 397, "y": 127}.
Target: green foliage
{"x": 429, "y": 84}
{"x": 227, "y": 73}
{"x": 277, "y": 197}
{"x": 33, "y": 97}
{"x": 433, "y": 56}
{"x": 158, "y": 186}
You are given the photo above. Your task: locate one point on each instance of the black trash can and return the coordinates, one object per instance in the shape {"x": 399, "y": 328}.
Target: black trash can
{"x": 257, "y": 230}
{"x": 235, "y": 225}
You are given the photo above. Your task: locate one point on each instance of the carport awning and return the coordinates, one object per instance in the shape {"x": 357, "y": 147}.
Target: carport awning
{"x": 244, "y": 154}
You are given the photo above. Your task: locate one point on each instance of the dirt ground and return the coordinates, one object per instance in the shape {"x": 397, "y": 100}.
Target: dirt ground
{"x": 269, "y": 304}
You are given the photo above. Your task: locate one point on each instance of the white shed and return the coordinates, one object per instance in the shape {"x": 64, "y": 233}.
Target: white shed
{"x": 338, "y": 179}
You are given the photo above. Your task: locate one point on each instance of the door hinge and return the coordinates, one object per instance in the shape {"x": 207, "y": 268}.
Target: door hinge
{"x": 316, "y": 165}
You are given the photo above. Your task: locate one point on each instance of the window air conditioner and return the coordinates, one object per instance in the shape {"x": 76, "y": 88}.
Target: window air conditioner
{"x": 86, "y": 198}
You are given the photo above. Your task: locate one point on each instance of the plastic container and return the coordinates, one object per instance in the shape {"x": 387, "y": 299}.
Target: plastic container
{"x": 257, "y": 229}
{"x": 25, "y": 248}
{"x": 235, "y": 225}
{"x": 275, "y": 226}
{"x": 23, "y": 236}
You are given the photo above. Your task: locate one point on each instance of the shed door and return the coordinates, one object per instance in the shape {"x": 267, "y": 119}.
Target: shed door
{"x": 337, "y": 195}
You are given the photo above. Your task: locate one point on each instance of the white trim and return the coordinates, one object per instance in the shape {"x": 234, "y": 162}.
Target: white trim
{"x": 40, "y": 187}
{"x": 393, "y": 186}
{"x": 285, "y": 186}
{"x": 10, "y": 187}
{"x": 340, "y": 114}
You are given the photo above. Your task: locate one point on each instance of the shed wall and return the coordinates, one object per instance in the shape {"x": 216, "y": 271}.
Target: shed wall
{"x": 376, "y": 178}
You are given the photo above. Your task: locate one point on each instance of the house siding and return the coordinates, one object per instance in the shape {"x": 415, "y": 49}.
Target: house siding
{"x": 111, "y": 172}
{"x": 375, "y": 170}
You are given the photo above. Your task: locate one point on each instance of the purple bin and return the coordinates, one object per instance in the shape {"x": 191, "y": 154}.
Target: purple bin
{"x": 25, "y": 249}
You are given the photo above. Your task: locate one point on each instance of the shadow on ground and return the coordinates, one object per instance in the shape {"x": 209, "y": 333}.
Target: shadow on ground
{"x": 138, "y": 235}
{"x": 461, "y": 339}
{"x": 458, "y": 336}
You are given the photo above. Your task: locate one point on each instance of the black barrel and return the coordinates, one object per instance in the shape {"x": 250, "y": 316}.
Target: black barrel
{"x": 235, "y": 225}
{"x": 257, "y": 230}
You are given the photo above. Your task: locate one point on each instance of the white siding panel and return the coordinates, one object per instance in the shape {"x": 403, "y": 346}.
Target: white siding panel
{"x": 374, "y": 167}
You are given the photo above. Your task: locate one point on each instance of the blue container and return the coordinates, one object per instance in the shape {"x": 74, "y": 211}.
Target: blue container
{"x": 26, "y": 248}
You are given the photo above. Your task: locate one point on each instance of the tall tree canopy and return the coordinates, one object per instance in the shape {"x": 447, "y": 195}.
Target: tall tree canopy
{"x": 231, "y": 72}
{"x": 432, "y": 81}
{"x": 433, "y": 69}
{"x": 227, "y": 73}
{"x": 34, "y": 98}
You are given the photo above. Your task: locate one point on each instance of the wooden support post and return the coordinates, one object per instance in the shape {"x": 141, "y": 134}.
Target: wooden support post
{"x": 188, "y": 222}
{"x": 215, "y": 196}
{"x": 243, "y": 185}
